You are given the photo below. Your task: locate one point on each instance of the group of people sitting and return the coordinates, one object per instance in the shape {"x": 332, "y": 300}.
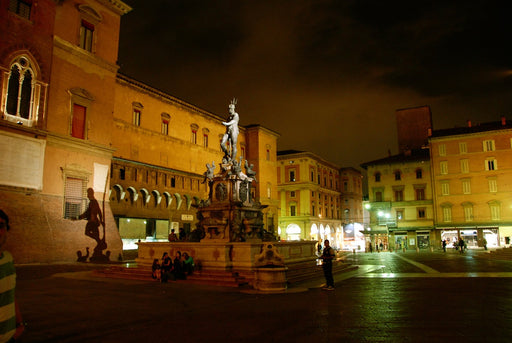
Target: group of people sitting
{"x": 177, "y": 269}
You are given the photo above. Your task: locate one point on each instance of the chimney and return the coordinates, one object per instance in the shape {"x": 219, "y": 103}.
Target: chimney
{"x": 503, "y": 120}
{"x": 469, "y": 123}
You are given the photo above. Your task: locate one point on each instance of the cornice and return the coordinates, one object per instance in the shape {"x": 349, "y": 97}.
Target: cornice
{"x": 79, "y": 145}
{"x": 116, "y": 5}
{"x": 83, "y": 55}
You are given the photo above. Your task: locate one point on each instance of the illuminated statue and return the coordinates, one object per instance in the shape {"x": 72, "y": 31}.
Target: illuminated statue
{"x": 231, "y": 134}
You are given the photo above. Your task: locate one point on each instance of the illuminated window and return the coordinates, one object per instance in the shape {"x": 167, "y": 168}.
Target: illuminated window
{"x": 23, "y": 92}
{"x": 21, "y": 8}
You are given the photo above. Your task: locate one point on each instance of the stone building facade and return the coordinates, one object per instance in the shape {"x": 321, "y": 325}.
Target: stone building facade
{"x": 472, "y": 175}
{"x": 310, "y": 197}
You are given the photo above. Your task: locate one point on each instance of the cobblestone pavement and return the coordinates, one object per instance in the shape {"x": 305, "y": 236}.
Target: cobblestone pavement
{"x": 393, "y": 297}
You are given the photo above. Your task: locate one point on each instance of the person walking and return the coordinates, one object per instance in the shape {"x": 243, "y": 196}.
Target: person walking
{"x": 328, "y": 255}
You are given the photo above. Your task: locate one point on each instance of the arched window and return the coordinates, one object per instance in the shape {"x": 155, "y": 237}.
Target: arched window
{"x": 22, "y": 99}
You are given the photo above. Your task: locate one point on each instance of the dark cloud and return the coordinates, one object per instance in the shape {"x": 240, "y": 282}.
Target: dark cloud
{"x": 327, "y": 75}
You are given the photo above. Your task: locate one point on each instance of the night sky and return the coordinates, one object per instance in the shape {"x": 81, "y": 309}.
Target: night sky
{"x": 326, "y": 75}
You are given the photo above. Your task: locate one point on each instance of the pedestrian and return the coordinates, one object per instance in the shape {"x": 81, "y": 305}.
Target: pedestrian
{"x": 11, "y": 325}
{"x": 444, "y": 245}
{"x": 485, "y": 244}
{"x": 328, "y": 255}
{"x": 461, "y": 245}
{"x": 172, "y": 236}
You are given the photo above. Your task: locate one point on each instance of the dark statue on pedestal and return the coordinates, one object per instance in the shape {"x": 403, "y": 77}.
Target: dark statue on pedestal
{"x": 230, "y": 214}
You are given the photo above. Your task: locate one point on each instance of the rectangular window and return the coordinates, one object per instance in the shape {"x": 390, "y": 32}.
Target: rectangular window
{"x": 122, "y": 174}
{"x": 378, "y": 196}
{"x": 419, "y": 173}
{"x": 268, "y": 155}
{"x": 312, "y": 176}
{"x": 466, "y": 186}
{"x": 488, "y": 145}
{"x": 78, "y": 121}
{"x": 292, "y": 194}
{"x": 420, "y": 194}
{"x": 468, "y": 213}
{"x": 74, "y": 202}
{"x": 493, "y": 185}
{"x": 421, "y": 213}
{"x": 292, "y": 211}
{"x": 463, "y": 148}
{"x": 136, "y": 117}
{"x": 165, "y": 127}
{"x": 313, "y": 210}
{"x": 447, "y": 214}
{"x": 86, "y": 35}
{"x": 205, "y": 144}
{"x": 399, "y": 195}
{"x": 464, "y": 166}
{"x": 291, "y": 176}
{"x": 193, "y": 137}
{"x": 491, "y": 164}
{"x": 442, "y": 150}
{"x": 445, "y": 188}
{"x": 399, "y": 215}
{"x": 21, "y": 8}
{"x": 495, "y": 212}
{"x": 443, "y": 166}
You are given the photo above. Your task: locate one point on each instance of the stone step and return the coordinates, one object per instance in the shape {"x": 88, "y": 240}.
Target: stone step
{"x": 226, "y": 279}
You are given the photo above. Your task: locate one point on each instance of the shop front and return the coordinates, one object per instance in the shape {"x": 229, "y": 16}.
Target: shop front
{"x": 473, "y": 237}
